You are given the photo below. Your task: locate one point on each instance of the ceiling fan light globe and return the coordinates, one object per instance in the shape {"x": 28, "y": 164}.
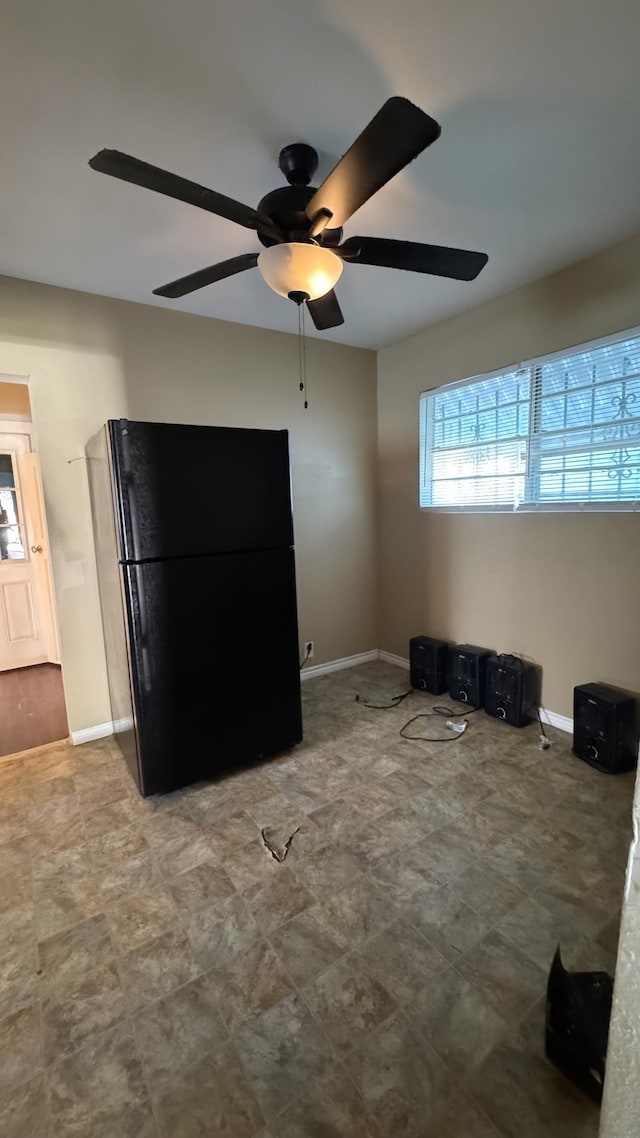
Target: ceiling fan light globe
{"x": 295, "y": 266}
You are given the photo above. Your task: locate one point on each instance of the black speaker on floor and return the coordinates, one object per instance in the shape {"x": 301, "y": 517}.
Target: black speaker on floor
{"x": 428, "y": 664}
{"x": 604, "y": 728}
{"x": 467, "y": 666}
{"x": 510, "y": 689}
{"x": 577, "y": 1025}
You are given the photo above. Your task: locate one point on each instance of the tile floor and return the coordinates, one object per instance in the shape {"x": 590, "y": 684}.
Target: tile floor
{"x": 162, "y": 976}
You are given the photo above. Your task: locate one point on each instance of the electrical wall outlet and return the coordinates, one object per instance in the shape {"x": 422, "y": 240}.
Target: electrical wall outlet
{"x": 308, "y": 649}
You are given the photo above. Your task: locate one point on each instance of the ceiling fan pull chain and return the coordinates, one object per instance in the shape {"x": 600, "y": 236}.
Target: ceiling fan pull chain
{"x": 300, "y": 361}
{"x": 304, "y": 361}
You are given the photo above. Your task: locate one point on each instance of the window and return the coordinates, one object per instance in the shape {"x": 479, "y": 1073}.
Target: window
{"x": 11, "y": 537}
{"x": 558, "y": 432}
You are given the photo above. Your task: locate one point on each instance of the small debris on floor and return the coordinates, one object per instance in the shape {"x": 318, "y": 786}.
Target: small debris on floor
{"x": 274, "y": 843}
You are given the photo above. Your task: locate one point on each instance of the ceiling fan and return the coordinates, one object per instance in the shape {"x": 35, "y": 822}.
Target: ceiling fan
{"x": 300, "y": 226}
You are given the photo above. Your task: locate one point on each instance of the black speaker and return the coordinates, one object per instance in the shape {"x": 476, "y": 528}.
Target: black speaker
{"x": 577, "y": 1024}
{"x": 510, "y": 689}
{"x": 428, "y": 664}
{"x": 604, "y": 728}
{"x": 467, "y": 665}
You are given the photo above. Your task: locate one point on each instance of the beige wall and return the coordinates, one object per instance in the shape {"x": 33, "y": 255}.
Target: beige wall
{"x": 90, "y": 359}
{"x": 562, "y": 589}
{"x": 14, "y": 401}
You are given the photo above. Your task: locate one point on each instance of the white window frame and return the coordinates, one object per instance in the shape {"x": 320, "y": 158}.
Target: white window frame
{"x": 525, "y": 507}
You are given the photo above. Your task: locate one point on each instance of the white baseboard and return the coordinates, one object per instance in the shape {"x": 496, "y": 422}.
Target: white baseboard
{"x": 101, "y": 730}
{"x": 391, "y": 658}
{"x": 337, "y": 665}
{"x": 90, "y": 734}
{"x": 562, "y": 722}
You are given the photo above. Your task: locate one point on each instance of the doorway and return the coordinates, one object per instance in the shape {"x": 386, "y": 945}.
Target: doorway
{"x": 32, "y": 704}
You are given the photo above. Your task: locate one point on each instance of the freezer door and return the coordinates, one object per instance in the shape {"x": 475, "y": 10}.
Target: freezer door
{"x": 184, "y": 491}
{"x": 215, "y": 661}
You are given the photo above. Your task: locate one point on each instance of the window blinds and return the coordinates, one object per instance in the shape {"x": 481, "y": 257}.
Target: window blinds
{"x": 561, "y": 431}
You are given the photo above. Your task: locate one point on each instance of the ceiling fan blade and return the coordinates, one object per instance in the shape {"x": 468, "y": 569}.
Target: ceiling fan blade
{"x": 129, "y": 169}
{"x": 438, "y": 260}
{"x": 394, "y": 137}
{"x": 208, "y": 276}
{"x": 325, "y": 311}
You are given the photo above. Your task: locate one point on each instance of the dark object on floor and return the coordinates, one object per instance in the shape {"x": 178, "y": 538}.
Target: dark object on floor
{"x": 32, "y": 708}
{"x": 577, "y": 1025}
{"x": 275, "y": 845}
{"x": 194, "y": 545}
{"x": 428, "y": 659}
{"x": 604, "y": 730}
{"x": 510, "y": 689}
{"x": 467, "y": 666}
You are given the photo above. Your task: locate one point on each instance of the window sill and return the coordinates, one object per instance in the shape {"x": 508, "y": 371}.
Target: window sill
{"x": 540, "y": 508}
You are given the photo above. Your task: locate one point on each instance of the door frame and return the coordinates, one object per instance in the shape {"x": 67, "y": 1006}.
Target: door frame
{"x": 43, "y": 575}
{"x": 46, "y": 587}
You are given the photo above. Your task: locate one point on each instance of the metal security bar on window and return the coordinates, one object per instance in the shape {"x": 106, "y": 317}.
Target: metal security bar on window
{"x": 558, "y": 432}
{"x": 587, "y": 447}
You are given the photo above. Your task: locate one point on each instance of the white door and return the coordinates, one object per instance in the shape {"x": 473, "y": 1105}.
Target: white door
{"x": 24, "y": 619}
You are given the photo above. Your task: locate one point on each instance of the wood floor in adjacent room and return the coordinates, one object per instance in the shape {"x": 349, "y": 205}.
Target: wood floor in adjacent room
{"x": 32, "y": 708}
{"x": 163, "y": 976}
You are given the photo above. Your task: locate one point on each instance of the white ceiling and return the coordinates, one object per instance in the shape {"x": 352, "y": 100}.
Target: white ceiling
{"x": 538, "y": 163}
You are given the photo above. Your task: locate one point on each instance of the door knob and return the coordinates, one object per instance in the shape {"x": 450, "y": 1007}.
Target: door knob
{"x": 36, "y": 549}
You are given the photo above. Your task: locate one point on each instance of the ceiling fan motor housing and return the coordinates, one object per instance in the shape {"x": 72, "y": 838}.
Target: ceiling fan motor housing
{"x": 286, "y": 208}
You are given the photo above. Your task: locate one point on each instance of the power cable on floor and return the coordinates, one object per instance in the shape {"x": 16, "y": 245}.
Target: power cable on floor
{"x": 438, "y": 711}
{"x": 396, "y": 700}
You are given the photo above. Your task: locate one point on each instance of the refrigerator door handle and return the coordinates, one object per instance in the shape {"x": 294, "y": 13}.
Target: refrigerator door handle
{"x": 144, "y": 628}
{"x": 128, "y": 487}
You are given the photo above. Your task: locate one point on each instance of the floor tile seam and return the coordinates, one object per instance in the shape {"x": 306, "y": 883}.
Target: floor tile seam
{"x": 298, "y": 809}
{"x": 272, "y": 1123}
{"x": 159, "y": 861}
{"x": 511, "y": 1025}
{"x": 120, "y": 962}
{"x": 551, "y": 884}
{"x": 130, "y": 897}
{"x": 75, "y": 1048}
{"x": 519, "y": 947}
{"x": 464, "y": 1080}
{"x": 606, "y": 914}
{"x": 173, "y": 847}
{"x": 118, "y": 958}
{"x": 234, "y": 955}
{"x": 35, "y": 1071}
{"x": 491, "y": 923}
{"x": 49, "y": 1111}
{"x": 479, "y": 1109}
{"x": 65, "y": 928}
{"x": 450, "y": 963}
{"x": 333, "y": 1051}
{"x": 88, "y": 815}
{"x": 475, "y": 1102}
{"x": 407, "y": 1018}
{"x": 126, "y": 1021}
{"x": 497, "y": 873}
{"x": 145, "y": 1075}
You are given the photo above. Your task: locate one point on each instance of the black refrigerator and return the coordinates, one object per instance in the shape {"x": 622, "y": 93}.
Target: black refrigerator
{"x": 194, "y": 548}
